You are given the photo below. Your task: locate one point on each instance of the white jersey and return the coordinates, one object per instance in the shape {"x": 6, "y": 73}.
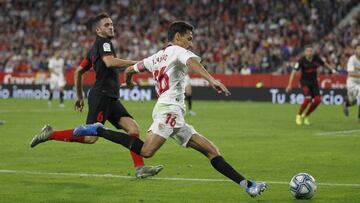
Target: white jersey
{"x": 57, "y": 65}
{"x": 169, "y": 70}
{"x": 353, "y": 83}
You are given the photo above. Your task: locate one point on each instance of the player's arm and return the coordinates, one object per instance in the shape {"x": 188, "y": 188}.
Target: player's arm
{"x": 354, "y": 74}
{"x": 198, "y": 68}
{"x": 327, "y": 65}
{"x": 291, "y": 79}
{"x": 112, "y": 62}
{"x": 82, "y": 68}
{"x": 331, "y": 67}
{"x": 131, "y": 70}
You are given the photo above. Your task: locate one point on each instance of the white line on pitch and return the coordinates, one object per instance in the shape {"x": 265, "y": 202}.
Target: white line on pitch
{"x": 339, "y": 132}
{"x": 154, "y": 178}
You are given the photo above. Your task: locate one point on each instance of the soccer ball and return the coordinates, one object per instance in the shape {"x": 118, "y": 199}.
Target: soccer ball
{"x": 302, "y": 186}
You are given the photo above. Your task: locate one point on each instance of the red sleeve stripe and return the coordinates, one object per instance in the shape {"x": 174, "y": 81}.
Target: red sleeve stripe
{"x": 85, "y": 64}
{"x": 141, "y": 66}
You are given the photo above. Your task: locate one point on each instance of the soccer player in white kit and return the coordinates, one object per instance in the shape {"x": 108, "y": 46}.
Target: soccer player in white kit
{"x": 169, "y": 67}
{"x": 353, "y": 81}
{"x": 57, "y": 79}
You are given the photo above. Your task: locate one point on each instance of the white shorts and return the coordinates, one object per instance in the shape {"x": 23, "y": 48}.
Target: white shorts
{"x": 57, "y": 81}
{"x": 168, "y": 121}
{"x": 353, "y": 88}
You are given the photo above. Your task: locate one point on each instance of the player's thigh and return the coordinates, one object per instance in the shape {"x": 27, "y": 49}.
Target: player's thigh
{"x": 120, "y": 118}
{"x": 306, "y": 90}
{"x": 152, "y": 143}
{"x": 98, "y": 108}
{"x": 129, "y": 125}
{"x": 203, "y": 145}
{"x": 61, "y": 83}
{"x": 353, "y": 90}
{"x": 314, "y": 91}
{"x": 52, "y": 83}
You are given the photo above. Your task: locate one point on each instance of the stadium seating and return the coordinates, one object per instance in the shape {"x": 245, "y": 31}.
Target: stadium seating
{"x": 265, "y": 36}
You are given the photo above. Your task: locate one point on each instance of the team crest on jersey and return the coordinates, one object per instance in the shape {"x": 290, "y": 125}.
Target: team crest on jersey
{"x": 106, "y": 46}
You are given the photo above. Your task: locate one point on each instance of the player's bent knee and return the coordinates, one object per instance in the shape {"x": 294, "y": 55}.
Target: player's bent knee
{"x": 90, "y": 139}
{"x": 147, "y": 153}
{"x": 213, "y": 152}
{"x": 134, "y": 132}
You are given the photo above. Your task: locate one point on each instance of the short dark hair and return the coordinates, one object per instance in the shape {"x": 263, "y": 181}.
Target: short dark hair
{"x": 178, "y": 27}
{"x": 99, "y": 17}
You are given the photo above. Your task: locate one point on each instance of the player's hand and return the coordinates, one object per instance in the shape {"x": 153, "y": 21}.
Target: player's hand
{"x": 128, "y": 84}
{"x": 220, "y": 88}
{"x": 334, "y": 71}
{"x": 79, "y": 105}
{"x": 288, "y": 89}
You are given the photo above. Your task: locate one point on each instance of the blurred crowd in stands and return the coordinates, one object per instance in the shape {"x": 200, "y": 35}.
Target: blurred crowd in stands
{"x": 231, "y": 36}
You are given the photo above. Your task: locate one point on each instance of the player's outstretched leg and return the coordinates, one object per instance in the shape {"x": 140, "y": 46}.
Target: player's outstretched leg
{"x": 207, "y": 148}
{"x": 299, "y": 117}
{"x": 47, "y": 133}
{"x": 313, "y": 106}
{"x": 131, "y": 142}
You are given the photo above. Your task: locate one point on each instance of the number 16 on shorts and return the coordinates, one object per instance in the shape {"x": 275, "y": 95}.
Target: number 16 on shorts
{"x": 171, "y": 120}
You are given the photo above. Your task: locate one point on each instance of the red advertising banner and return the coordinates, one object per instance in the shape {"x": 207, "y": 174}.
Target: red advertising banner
{"x": 254, "y": 80}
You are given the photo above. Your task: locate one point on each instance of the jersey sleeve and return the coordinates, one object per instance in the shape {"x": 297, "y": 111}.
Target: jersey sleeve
{"x": 350, "y": 65}
{"x": 184, "y": 55}
{"x": 85, "y": 64}
{"x": 144, "y": 65}
{"x": 105, "y": 48}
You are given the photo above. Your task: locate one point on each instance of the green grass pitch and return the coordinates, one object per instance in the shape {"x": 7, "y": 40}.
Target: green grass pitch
{"x": 261, "y": 140}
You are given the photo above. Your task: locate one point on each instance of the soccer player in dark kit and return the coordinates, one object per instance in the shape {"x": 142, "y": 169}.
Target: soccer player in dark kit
{"x": 103, "y": 98}
{"x": 308, "y": 65}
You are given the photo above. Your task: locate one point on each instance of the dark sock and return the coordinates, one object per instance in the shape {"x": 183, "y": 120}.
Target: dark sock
{"x": 131, "y": 142}
{"x": 359, "y": 113}
{"x": 61, "y": 97}
{"x": 51, "y": 96}
{"x": 189, "y": 100}
{"x": 224, "y": 168}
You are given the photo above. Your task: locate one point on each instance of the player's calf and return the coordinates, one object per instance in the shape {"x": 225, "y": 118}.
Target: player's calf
{"x": 90, "y": 139}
